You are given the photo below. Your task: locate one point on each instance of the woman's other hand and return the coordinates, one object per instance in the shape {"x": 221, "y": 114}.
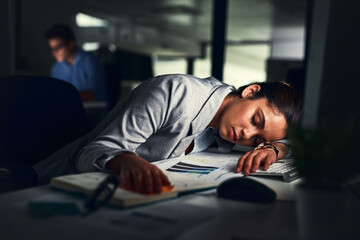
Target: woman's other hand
{"x": 251, "y": 161}
{"x": 137, "y": 174}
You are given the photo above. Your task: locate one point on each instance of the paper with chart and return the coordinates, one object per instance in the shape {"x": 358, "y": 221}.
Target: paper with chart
{"x": 207, "y": 166}
{"x": 184, "y": 184}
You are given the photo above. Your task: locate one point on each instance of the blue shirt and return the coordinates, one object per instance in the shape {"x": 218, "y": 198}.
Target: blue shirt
{"x": 85, "y": 73}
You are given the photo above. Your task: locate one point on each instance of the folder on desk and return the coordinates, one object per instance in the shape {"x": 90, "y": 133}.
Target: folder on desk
{"x": 86, "y": 183}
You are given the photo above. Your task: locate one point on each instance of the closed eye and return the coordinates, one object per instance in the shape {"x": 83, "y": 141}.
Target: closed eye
{"x": 258, "y": 119}
{"x": 253, "y": 122}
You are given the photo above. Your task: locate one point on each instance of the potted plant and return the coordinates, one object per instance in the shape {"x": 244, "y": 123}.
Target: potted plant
{"x": 327, "y": 157}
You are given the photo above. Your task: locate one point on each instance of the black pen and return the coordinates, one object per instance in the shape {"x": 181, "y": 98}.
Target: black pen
{"x": 102, "y": 194}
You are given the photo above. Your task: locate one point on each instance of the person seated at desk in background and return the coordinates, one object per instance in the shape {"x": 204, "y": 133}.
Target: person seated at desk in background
{"x": 75, "y": 66}
{"x": 171, "y": 115}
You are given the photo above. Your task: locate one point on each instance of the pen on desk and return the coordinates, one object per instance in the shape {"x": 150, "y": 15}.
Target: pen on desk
{"x": 102, "y": 193}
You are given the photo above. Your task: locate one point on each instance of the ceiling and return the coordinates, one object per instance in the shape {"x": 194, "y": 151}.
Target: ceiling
{"x": 180, "y": 26}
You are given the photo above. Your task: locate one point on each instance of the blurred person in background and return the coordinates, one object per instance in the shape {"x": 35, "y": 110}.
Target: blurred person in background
{"x": 75, "y": 66}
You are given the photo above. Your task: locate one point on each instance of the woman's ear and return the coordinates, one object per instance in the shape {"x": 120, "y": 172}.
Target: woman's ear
{"x": 250, "y": 91}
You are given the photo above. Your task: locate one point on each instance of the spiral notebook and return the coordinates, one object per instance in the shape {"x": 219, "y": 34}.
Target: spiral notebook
{"x": 86, "y": 183}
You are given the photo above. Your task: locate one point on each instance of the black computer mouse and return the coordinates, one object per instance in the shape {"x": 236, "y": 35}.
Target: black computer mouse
{"x": 246, "y": 189}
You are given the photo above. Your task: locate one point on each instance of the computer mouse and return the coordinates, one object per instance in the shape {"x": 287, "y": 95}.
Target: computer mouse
{"x": 246, "y": 189}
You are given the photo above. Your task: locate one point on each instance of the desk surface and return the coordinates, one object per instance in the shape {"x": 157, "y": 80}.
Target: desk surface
{"x": 197, "y": 216}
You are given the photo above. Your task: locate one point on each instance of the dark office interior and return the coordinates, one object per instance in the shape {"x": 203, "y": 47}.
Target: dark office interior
{"x": 311, "y": 44}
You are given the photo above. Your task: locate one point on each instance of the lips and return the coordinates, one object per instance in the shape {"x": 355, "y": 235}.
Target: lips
{"x": 232, "y": 134}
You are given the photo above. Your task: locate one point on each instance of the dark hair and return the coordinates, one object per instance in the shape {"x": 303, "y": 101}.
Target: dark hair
{"x": 60, "y": 31}
{"x": 281, "y": 96}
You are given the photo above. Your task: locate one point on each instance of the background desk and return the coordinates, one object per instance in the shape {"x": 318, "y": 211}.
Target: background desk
{"x": 201, "y": 216}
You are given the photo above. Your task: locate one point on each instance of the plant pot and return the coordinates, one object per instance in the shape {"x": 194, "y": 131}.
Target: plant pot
{"x": 324, "y": 213}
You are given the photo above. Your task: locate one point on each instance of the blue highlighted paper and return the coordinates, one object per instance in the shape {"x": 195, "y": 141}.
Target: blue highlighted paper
{"x": 191, "y": 168}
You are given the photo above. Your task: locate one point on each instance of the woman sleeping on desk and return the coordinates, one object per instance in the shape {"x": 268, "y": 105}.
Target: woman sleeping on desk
{"x": 171, "y": 115}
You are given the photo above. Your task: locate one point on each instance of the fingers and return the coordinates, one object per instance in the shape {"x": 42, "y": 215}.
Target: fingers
{"x": 156, "y": 179}
{"x": 164, "y": 179}
{"x": 251, "y": 161}
{"x": 256, "y": 163}
{"x": 125, "y": 179}
{"x": 140, "y": 178}
{"x": 159, "y": 179}
{"x": 240, "y": 163}
{"x": 146, "y": 179}
{"x": 137, "y": 174}
{"x": 268, "y": 161}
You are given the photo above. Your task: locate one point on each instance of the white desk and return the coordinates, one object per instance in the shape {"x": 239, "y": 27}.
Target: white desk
{"x": 238, "y": 219}
{"x": 204, "y": 216}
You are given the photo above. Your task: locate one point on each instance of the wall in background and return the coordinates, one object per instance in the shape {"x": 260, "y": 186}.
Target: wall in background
{"x": 6, "y": 48}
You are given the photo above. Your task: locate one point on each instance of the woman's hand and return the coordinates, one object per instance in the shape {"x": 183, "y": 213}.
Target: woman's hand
{"x": 137, "y": 174}
{"x": 251, "y": 161}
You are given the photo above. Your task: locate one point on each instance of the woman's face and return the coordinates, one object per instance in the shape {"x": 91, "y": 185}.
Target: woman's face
{"x": 250, "y": 122}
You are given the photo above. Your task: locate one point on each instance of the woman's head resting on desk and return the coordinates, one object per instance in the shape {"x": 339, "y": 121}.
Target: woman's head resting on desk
{"x": 258, "y": 112}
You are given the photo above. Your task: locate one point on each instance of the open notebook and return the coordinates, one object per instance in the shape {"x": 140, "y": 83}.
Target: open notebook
{"x": 86, "y": 183}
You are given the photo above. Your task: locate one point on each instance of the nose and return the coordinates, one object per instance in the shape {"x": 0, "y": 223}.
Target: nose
{"x": 248, "y": 133}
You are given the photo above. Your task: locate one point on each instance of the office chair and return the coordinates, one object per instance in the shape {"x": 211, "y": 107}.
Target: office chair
{"x": 38, "y": 116}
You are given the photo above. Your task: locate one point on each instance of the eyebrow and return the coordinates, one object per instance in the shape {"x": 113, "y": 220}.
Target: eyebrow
{"x": 263, "y": 118}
